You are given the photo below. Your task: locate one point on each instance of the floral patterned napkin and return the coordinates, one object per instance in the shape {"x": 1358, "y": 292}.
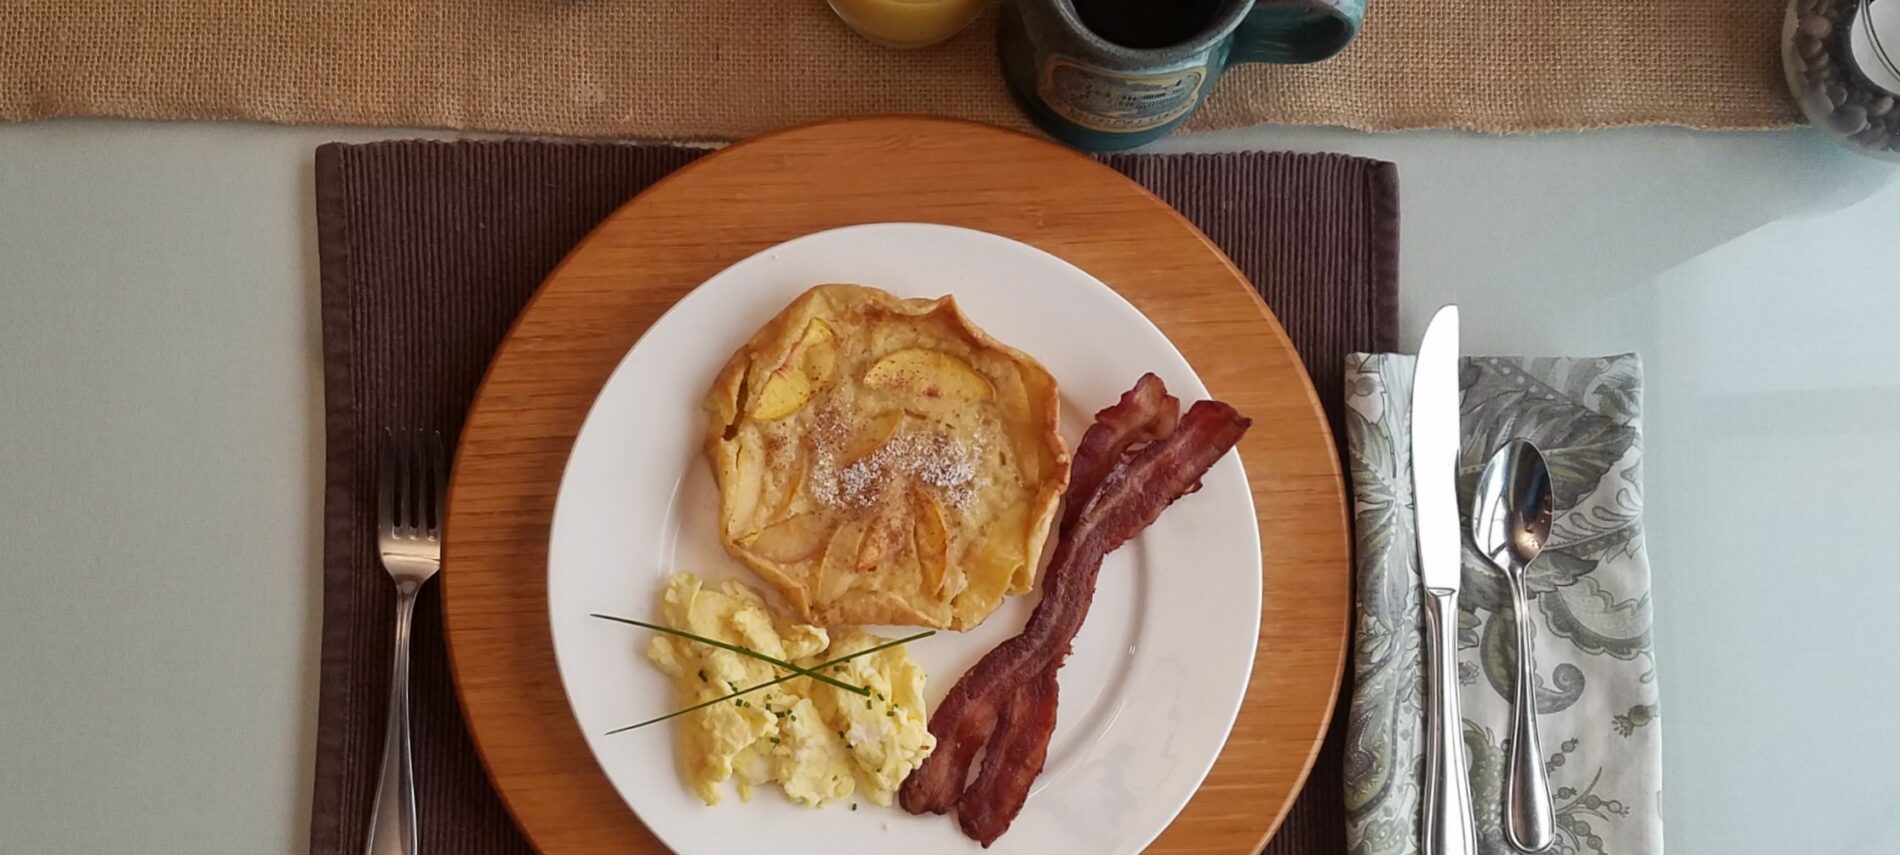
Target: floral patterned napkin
{"x": 1596, "y": 692}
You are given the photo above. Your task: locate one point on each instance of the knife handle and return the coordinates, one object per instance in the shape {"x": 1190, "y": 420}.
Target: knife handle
{"x": 1448, "y": 821}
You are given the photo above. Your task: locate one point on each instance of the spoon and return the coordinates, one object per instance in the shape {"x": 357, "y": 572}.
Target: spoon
{"x": 1510, "y": 520}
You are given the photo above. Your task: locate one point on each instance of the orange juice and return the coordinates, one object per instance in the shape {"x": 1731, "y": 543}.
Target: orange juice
{"x": 908, "y": 23}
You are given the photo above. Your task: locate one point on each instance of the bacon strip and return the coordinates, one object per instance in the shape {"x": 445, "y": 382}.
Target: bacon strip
{"x": 997, "y": 698}
{"x": 1018, "y": 749}
{"x": 1144, "y": 414}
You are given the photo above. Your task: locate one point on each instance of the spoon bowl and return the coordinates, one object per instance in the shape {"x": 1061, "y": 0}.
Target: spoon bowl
{"x": 1511, "y": 508}
{"x": 1510, "y": 523}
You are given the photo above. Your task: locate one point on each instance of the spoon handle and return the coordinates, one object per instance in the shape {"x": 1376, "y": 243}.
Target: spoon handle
{"x": 1529, "y": 819}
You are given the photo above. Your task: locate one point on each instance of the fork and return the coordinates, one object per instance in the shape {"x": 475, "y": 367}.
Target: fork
{"x": 410, "y": 497}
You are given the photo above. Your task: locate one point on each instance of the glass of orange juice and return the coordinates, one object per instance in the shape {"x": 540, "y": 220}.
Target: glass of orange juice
{"x": 908, "y": 23}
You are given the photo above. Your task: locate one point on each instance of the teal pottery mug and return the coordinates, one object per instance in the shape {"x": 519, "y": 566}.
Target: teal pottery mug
{"x": 1113, "y": 74}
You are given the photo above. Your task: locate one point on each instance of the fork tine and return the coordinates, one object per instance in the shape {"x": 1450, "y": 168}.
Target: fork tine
{"x": 441, "y": 471}
{"x": 422, "y": 483}
{"x": 405, "y": 475}
{"x": 386, "y": 485}
{"x": 419, "y": 484}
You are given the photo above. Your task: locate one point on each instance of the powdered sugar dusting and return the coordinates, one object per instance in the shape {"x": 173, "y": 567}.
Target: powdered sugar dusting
{"x": 932, "y": 457}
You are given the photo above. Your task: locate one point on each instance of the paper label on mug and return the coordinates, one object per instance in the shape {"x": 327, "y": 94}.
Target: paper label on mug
{"x": 1119, "y": 101}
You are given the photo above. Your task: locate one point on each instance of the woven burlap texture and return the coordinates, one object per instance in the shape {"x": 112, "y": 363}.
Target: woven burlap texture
{"x": 719, "y": 69}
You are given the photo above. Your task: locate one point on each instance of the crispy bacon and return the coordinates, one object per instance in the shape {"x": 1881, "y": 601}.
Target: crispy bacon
{"x": 1018, "y": 748}
{"x": 1008, "y": 699}
{"x": 1144, "y": 414}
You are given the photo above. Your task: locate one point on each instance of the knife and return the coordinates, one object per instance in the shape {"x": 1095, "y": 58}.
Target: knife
{"x": 1435, "y": 443}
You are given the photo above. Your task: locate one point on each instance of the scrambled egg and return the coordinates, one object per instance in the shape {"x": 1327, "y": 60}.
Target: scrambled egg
{"x": 819, "y": 742}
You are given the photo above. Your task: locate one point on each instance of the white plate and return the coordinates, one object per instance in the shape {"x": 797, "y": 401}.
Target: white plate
{"x": 1158, "y": 671}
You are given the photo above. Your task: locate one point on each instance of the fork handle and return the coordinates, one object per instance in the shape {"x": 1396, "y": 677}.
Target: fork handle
{"x": 392, "y": 827}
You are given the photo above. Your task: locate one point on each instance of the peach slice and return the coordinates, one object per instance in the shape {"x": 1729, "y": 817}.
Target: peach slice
{"x": 837, "y": 570}
{"x": 739, "y": 497}
{"x": 793, "y": 540}
{"x": 884, "y": 542}
{"x": 793, "y": 487}
{"x": 805, "y": 370}
{"x": 931, "y": 373}
{"x": 931, "y": 537}
{"x": 866, "y": 440}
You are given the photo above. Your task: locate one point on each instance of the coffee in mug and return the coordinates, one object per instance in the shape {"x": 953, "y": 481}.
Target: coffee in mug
{"x": 1114, "y": 74}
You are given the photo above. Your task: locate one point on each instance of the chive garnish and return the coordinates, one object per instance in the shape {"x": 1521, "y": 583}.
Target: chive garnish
{"x": 770, "y": 683}
{"x": 743, "y": 651}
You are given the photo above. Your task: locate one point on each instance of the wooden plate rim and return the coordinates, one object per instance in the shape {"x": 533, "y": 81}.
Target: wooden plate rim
{"x": 711, "y": 160}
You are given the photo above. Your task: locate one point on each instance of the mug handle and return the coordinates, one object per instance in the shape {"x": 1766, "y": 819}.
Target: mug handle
{"x": 1294, "y": 31}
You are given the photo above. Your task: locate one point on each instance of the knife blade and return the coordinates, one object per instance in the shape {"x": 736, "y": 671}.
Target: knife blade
{"x": 1435, "y": 443}
{"x": 1448, "y": 827}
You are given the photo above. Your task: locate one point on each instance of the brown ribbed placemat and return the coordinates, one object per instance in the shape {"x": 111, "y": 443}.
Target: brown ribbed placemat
{"x": 716, "y": 69}
{"x": 428, "y": 251}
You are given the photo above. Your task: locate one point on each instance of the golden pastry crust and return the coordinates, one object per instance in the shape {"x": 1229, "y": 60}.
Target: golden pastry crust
{"x": 885, "y": 461}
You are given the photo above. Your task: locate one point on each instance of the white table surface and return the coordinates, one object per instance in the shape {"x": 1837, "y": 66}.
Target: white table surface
{"x": 161, "y": 448}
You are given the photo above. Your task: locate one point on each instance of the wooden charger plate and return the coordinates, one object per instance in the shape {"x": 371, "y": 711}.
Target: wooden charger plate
{"x": 731, "y": 204}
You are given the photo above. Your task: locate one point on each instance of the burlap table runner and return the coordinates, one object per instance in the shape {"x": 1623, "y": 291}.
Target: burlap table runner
{"x": 428, "y": 251}
{"x": 719, "y": 69}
